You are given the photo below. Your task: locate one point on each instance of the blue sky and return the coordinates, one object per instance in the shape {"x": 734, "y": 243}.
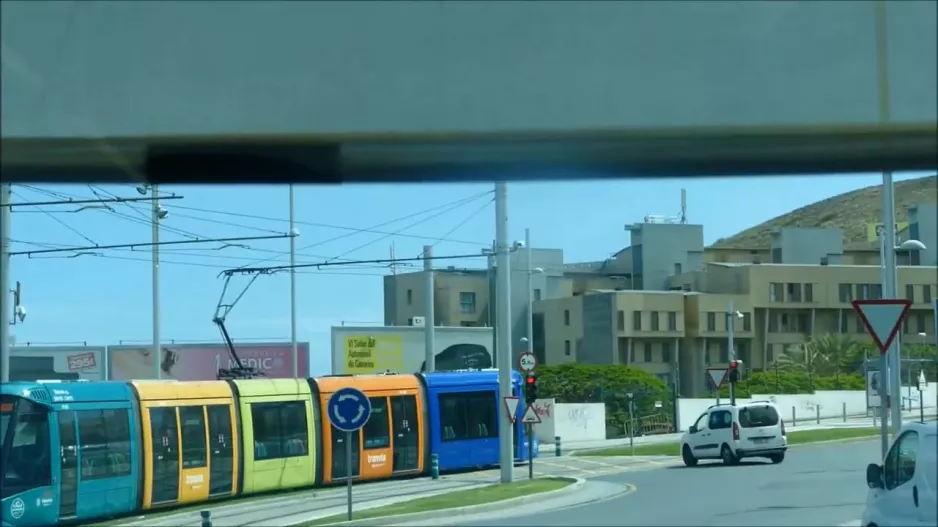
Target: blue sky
{"x": 105, "y": 297}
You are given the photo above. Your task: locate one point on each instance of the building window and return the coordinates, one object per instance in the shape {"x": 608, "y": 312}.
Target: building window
{"x": 104, "y": 439}
{"x": 672, "y": 321}
{"x": 809, "y": 292}
{"x": 467, "y": 303}
{"x": 794, "y": 292}
{"x": 926, "y": 294}
{"x": 537, "y": 295}
{"x": 654, "y": 321}
{"x": 863, "y": 291}
{"x": 637, "y": 320}
{"x": 773, "y": 322}
{"x": 747, "y": 321}
{"x": 677, "y": 269}
{"x": 666, "y": 353}
{"x": 859, "y": 327}
{"x": 876, "y": 290}
{"x": 776, "y": 292}
{"x": 724, "y": 352}
{"x": 845, "y": 293}
{"x": 910, "y": 293}
{"x": 707, "y": 356}
{"x": 803, "y": 322}
{"x": 920, "y": 322}
{"x": 711, "y": 321}
{"x": 410, "y": 297}
{"x": 566, "y": 317}
{"x": 620, "y": 320}
{"x": 566, "y": 348}
{"x": 647, "y": 352}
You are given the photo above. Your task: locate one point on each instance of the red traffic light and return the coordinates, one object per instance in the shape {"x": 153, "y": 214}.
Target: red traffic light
{"x": 530, "y": 379}
{"x": 734, "y": 364}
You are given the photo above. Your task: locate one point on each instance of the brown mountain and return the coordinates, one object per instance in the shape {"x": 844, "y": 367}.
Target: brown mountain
{"x": 851, "y": 212}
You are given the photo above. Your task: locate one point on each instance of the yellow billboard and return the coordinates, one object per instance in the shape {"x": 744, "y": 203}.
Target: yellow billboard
{"x": 373, "y": 353}
{"x": 872, "y": 228}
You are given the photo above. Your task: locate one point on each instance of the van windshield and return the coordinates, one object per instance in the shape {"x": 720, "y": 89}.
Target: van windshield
{"x": 755, "y": 416}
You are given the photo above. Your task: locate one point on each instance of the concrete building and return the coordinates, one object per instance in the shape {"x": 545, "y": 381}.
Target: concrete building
{"x": 663, "y": 302}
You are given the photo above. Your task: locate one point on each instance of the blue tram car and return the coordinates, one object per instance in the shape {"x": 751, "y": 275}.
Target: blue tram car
{"x": 70, "y": 451}
{"x": 463, "y": 409}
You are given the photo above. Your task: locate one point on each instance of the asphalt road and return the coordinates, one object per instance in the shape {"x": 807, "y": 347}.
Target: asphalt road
{"x": 815, "y": 485}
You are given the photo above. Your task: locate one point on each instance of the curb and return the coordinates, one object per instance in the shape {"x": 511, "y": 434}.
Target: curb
{"x": 575, "y": 486}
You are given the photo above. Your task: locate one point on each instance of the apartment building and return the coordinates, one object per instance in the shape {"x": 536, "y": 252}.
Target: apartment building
{"x": 665, "y": 304}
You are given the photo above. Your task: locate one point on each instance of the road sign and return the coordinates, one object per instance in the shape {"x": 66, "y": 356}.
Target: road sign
{"x": 527, "y": 362}
{"x": 882, "y": 319}
{"x": 872, "y": 388}
{"x": 530, "y": 416}
{"x": 717, "y": 376}
{"x": 511, "y": 406}
{"x": 348, "y": 409}
{"x": 922, "y": 381}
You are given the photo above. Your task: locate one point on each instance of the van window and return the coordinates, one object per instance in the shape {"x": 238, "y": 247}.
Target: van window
{"x": 755, "y": 416}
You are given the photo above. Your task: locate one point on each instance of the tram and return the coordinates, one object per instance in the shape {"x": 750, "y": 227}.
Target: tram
{"x": 81, "y": 451}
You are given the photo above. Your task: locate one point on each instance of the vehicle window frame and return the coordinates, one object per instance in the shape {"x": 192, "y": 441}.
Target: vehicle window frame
{"x": 746, "y": 410}
{"x": 290, "y": 423}
{"x": 112, "y": 443}
{"x": 199, "y": 459}
{"x": 723, "y": 423}
{"x": 891, "y": 461}
{"x": 705, "y": 418}
{"x": 23, "y": 406}
{"x": 376, "y": 433}
{"x": 460, "y": 411}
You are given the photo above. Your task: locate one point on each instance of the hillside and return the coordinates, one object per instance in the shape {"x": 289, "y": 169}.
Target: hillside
{"x": 850, "y": 212}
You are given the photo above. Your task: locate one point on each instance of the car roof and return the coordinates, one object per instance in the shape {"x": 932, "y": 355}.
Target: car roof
{"x": 930, "y": 427}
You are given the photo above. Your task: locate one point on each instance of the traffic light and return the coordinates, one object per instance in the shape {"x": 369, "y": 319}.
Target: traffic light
{"x": 530, "y": 388}
{"x": 735, "y": 366}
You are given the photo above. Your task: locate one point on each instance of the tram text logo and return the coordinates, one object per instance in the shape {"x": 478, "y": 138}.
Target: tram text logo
{"x": 17, "y": 508}
{"x": 377, "y": 459}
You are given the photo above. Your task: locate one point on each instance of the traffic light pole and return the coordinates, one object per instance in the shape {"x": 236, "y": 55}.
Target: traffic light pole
{"x": 530, "y": 397}
{"x": 531, "y": 451}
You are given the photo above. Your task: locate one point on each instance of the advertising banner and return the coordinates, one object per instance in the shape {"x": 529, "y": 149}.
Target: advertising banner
{"x": 65, "y": 363}
{"x": 400, "y": 349}
{"x": 200, "y": 362}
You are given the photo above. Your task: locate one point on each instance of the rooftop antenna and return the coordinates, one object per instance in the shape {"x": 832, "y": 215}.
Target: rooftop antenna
{"x": 393, "y": 264}
{"x": 683, "y": 214}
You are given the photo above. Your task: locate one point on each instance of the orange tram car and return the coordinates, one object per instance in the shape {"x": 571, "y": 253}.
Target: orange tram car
{"x": 80, "y": 451}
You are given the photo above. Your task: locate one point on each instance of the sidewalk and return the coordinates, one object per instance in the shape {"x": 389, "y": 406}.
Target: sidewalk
{"x": 802, "y": 425}
{"x": 304, "y": 506}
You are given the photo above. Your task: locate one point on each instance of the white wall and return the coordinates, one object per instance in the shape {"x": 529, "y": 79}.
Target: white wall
{"x": 570, "y": 421}
{"x": 805, "y": 407}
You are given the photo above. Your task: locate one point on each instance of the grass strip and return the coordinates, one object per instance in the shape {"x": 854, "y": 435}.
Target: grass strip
{"x": 450, "y": 500}
{"x": 794, "y": 438}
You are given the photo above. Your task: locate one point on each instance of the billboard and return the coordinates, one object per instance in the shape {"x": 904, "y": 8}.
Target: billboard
{"x": 400, "y": 349}
{"x": 200, "y": 362}
{"x": 67, "y": 363}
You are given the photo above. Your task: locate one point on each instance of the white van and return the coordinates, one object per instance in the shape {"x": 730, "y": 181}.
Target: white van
{"x": 902, "y": 489}
{"x": 731, "y": 433}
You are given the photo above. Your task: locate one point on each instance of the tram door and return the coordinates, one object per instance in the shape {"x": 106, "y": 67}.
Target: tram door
{"x": 221, "y": 446}
{"x": 68, "y": 489}
{"x": 338, "y": 454}
{"x": 165, "y": 435}
{"x": 406, "y": 433}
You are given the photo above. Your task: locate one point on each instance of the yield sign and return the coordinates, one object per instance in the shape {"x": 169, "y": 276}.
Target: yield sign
{"x": 530, "y": 416}
{"x": 717, "y": 376}
{"x": 882, "y": 319}
{"x": 511, "y": 406}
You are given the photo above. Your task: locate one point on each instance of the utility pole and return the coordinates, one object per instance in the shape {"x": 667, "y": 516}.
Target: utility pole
{"x": 155, "y": 220}
{"x": 296, "y": 360}
{"x": 503, "y": 328}
{"x": 530, "y": 280}
{"x": 429, "y": 316}
{"x": 6, "y": 314}
{"x": 730, "y": 344}
{"x": 889, "y": 214}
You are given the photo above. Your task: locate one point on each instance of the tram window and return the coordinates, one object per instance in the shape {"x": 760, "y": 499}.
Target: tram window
{"x": 26, "y": 452}
{"x": 104, "y": 440}
{"x": 193, "y": 436}
{"x": 376, "y": 431}
{"x": 468, "y": 415}
{"x": 280, "y": 430}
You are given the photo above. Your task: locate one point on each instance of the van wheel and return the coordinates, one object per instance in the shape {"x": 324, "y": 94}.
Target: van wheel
{"x": 728, "y": 457}
{"x": 688, "y": 457}
{"x": 777, "y": 458}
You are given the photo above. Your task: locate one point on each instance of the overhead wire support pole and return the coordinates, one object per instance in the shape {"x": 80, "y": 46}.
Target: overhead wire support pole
{"x": 429, "y": 316}
{"x": 296, "y": 367}
{"x": 156, "y": 352}
{"x": 6, "y": 313}
{"x": 503, "y": 328}
{"x": 86, "y": 201}
{"x": 90, "y": 248}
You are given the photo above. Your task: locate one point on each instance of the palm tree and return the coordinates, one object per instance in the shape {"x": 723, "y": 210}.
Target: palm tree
{"x": 835, "y": 354}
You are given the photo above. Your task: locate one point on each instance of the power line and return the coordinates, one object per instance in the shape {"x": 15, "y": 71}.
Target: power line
{"x": 160, "y": 244}
{"x": 60, "y": 222}
{"x": 83, "y": 201}
{"x": 463, "y": 222}
{"x": 278, "y": 268}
